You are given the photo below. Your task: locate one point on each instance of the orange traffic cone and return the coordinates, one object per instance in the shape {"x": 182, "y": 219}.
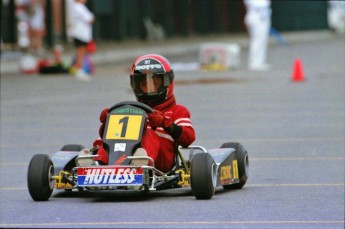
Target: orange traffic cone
{"x": 297, "y": 75}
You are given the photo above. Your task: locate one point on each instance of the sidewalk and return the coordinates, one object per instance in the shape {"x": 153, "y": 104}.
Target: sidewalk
{"x": 117, "y": 52}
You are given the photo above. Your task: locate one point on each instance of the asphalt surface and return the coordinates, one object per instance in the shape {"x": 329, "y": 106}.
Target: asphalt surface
{"x": 294, "y": 133}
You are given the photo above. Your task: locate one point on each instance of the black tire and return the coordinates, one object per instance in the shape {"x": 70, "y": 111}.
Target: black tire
{"x": 243, "y": 164}
{"x": 203, "y": 176}
{"x": 72, "y": 147}
{"x": 40, "y": 172}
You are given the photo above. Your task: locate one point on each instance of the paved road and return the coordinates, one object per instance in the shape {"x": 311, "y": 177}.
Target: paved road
{"x": 294, "y": 133}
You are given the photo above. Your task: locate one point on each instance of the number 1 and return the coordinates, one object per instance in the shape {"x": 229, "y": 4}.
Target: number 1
{"x": 124, "y": 122}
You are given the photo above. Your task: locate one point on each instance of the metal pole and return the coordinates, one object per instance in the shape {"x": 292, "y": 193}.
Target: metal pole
{"x": 49, "y": 25}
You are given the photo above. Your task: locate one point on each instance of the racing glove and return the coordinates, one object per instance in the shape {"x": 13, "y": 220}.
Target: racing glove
{"x": 104, "y": 114}
{"x": 157, "y": 119}
{"x": 98, "y": 142}
{"x": 103, "y": 118}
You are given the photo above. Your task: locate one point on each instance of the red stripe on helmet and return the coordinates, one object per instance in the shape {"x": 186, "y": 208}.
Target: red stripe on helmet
{"x": 162, "y": 60}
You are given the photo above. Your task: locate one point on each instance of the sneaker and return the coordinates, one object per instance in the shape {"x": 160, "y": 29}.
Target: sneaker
{"x": 82, "y": 75}
{"x": 85, "y": 161}
{"x": 140, "y": 152}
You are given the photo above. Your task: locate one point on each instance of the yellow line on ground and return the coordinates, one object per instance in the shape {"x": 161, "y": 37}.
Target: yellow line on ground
{"x": 12, "y": 188}
{"x": 296, "y": 158}
{"x": 277, "y": 222}
{"x": 277, "y": 140}
{"x": 247, "y": 185}
{"x": 14, "y": 164}
{"x": 302, "y": 139}
{"x": 4, "y": 164}
{"x": 294, "y": 185}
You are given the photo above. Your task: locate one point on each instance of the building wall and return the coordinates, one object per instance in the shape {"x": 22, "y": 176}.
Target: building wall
{"x": 123, "y": 19}
{"x": 177, "y": 17}
{"x": 299, "y": 15}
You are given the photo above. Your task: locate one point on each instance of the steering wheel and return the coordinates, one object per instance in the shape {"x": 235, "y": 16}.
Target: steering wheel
{"x": 143, "y": 106}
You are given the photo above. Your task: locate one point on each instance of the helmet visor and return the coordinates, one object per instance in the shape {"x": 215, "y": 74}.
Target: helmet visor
{"x": 148, "y": 83}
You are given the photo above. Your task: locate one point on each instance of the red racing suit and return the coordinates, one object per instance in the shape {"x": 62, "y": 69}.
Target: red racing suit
{"x": 160, "y": 145}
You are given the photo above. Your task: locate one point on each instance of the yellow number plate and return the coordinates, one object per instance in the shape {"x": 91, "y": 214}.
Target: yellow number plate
{"x": 235, "y": 169}
{"x": 124, "y": 127}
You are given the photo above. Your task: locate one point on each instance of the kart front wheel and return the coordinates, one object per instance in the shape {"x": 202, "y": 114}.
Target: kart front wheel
{"x": 72, "y": 147}
{"x": 203, "y": 176}
{"x": 40, "y": 173}
{"x": 243, "y": 164}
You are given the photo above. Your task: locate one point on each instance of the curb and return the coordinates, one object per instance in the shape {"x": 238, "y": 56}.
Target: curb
{"x": 128, "y": 51}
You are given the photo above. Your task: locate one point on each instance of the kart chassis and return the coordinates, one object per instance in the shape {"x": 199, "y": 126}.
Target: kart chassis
{"x": 204, "y": 170}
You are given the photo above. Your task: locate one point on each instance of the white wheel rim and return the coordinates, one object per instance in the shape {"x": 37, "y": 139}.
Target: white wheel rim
{"x": 214, "y": 174}
{"x": 246, "y": 165}
{"x": 50, "y": 177}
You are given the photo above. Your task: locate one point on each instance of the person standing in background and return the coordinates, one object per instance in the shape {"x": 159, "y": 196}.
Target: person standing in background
{"x": 80, "y": 30}
{"x": 36, "y": 26}
{"x": 258, "y": 22}
{"x": 336, "y": 16}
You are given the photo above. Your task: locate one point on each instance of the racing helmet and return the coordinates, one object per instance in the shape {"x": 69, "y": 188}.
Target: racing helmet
{"x": 152, "y": 79}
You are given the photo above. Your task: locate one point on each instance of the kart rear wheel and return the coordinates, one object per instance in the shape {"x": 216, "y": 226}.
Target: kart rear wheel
{"x": 40, "y": 173}
{"x": 243, "y": 164}
{"x": 203, "y": 176}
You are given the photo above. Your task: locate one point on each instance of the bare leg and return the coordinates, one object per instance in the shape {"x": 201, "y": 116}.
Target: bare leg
{"x": 81, "y": 51}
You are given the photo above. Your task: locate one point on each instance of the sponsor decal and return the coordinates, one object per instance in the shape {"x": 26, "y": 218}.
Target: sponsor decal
{"x": 62, "y": 185}
{"x": 120, "y": 147}
{"x": 109, "y": 176}
{"x": 225, "y": 174}
{"x": 148, "y": 67}
{"x": 121, "y": 159}
{"x": 125, "y": 110}
{"x": 235, "y": 169}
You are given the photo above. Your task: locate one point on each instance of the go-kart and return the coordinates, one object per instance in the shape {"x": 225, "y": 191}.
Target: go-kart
{"x": 126, "y": 123}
